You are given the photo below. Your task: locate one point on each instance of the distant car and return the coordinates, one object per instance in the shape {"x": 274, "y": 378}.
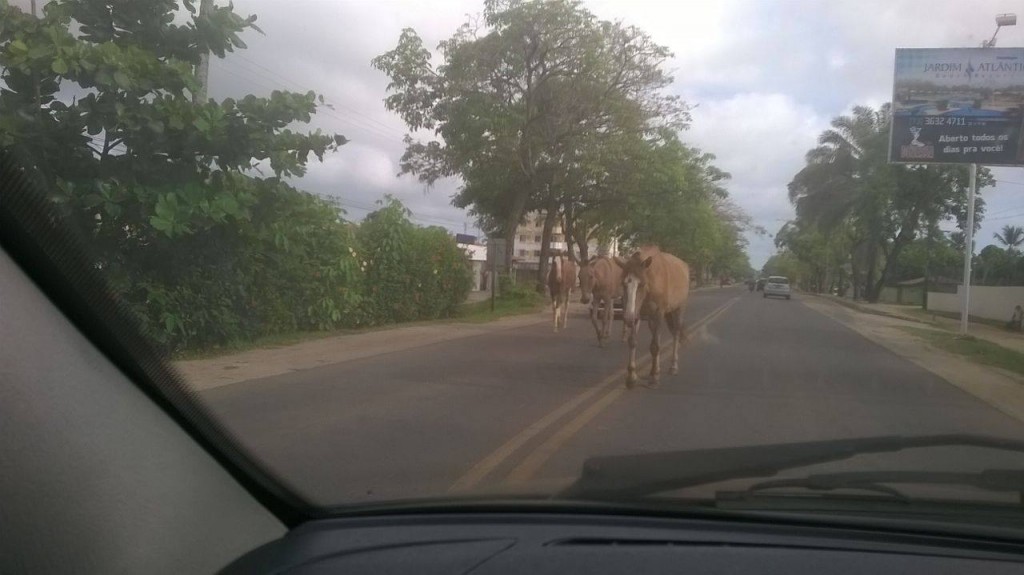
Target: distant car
{"x": 777, "y": 286}
{"x": 760, "y": 284}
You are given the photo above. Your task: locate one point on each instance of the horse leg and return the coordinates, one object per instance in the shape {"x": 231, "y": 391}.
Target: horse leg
{"x": 631, "y": 364}
{"x": 565, "y": 308}
{"x": 655, "y": 324}
{"x": 676, "y": 327}
{"x": 593, "y": 320}
{"x": 554, "y": 311}
{"x": 606, "y": 321}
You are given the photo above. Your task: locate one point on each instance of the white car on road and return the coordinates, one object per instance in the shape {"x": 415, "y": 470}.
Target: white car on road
{"x": 777, "y": 286}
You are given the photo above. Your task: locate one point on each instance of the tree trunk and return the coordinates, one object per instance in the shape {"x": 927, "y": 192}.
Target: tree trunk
{"x": 515, "y": 214}
{"x": 855, "y": 277}
{"x": 581, "y": 242}
{"x": 550, "y": 218}
{"x": 573, "y": 236}
{"x": 869, "y": 273}
{"x": 906, "y": 235}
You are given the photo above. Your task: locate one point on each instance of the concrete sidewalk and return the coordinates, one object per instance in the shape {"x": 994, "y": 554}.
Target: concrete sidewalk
{"x": 1002, "y": 337}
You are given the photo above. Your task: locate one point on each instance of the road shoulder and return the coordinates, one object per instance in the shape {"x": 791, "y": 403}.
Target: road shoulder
{"x": 1000, "y": 389}
{"x": 203, "y": 374}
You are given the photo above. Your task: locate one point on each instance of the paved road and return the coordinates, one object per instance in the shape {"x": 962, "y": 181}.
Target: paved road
{"x": 522, "y": 408}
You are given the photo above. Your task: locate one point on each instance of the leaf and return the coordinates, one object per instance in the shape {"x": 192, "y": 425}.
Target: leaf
{"x": 201, "y": 125}
{"x": 59, "y": 66}
{"x": 122, "y": 80}
{"x": 162, "y": 224}
{"x": 18, "y": 46}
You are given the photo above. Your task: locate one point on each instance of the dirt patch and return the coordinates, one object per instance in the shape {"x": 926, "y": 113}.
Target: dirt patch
{"x": 209, "y": 373}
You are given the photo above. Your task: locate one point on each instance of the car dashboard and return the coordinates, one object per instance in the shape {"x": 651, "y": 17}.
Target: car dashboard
{"x": 540, "y": 544}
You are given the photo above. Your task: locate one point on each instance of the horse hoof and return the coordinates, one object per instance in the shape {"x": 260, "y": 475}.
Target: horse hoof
{"x": 630, "y": 382}
{"x": 674, "y": 370}
{"x": 654, "y": 382}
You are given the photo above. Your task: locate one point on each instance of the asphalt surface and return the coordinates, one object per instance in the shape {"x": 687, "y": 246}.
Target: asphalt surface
{"x": 521, "y": 409}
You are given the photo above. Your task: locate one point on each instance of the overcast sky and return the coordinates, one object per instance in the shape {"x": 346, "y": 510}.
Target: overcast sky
{"x": 766, "y": 78}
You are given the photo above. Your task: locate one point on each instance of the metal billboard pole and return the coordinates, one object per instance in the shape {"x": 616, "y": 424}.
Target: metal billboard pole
{"x": 965, "y": 297}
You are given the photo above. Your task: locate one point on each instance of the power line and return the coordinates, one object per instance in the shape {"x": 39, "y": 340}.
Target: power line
{"x": 419, "y": 218}
{"x": 323, "y": 111}
{"x": 367, "y": 123}
{"x": 305, "y": 88}
{"x": 1007, "y": 217}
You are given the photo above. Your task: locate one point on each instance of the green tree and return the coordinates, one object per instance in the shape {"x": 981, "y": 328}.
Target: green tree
{"x": 1011, "y": 237}
{"x": 99, "y": 105}
{"x": 521, "y": 97}
{"x": 411, "y": 272}
{"x": 679, "y": 203}
{"x": 849, "y": 183}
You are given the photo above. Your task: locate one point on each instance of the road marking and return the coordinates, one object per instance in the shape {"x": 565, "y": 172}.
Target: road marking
{"x": 488, "y": 464}
{"x": 536, "y": 459}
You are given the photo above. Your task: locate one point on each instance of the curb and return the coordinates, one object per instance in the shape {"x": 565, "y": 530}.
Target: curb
{"x": 861, "y": 308}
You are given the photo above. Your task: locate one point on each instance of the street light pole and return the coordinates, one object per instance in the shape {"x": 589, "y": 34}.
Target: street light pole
{"x": 965, "y": 299}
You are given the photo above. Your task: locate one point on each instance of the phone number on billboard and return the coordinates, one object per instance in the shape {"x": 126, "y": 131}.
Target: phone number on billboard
{"x": 945, "y": 121}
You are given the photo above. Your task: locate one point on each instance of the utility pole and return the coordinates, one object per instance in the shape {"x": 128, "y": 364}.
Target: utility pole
{"x": 35, "y": 76}
{"x": 965, "y": 298}
{"x": 203, "y": 70}
{"x": 927, "y": 265}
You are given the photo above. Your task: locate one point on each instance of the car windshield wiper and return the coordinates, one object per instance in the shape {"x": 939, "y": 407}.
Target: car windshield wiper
{"x": 632, "y": 476}
{"x": 878, "y": 481}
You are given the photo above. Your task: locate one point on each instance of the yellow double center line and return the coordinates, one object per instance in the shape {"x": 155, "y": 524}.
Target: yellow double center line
{"x": 538, "y": 457}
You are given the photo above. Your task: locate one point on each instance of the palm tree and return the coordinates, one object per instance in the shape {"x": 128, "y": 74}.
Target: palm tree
{"x": 836, "y": 185}
{"x": 1011, "y": 237}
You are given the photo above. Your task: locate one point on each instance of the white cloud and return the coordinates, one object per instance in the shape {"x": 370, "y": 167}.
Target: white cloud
{"x": 759, "y": 138}
{"x": 767, "y": 76}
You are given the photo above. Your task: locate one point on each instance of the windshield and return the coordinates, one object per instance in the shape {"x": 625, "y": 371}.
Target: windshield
{"x": 407, "y": 250}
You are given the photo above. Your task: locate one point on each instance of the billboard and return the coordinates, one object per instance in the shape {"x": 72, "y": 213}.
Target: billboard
{"x": 958, "y": 105}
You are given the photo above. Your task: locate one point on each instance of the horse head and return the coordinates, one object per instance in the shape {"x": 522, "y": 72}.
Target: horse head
{"x": 634, "y": 280}
{"x": 586, "y": 276}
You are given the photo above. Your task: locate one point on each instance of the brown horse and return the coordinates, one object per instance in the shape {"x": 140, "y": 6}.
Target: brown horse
{"x": 602, "y": 279}
{"x": 561, "y": 278}
{"x": 657, "y": 286}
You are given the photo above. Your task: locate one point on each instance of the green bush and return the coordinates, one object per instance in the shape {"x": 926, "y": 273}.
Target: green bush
{"x": 411, "y": 273}
{"x": 242, "y": 258}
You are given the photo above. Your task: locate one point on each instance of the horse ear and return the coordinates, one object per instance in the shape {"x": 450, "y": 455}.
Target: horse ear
{"x": 647, "y": 262}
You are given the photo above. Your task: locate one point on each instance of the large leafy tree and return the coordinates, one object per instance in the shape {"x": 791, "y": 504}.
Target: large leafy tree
{"x": 679, "y": 202}
{"x": 98, "y": 97}
{"x": 848, "y": 184}
{"x": 520, "y": 102}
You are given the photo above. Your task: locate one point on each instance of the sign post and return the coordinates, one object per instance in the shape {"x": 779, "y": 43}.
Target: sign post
{"x": 965, "y": 298}
{"x": 959, "y": 106}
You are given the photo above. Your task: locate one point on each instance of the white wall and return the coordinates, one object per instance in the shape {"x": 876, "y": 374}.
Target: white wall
{"x": 990, "y": 302}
